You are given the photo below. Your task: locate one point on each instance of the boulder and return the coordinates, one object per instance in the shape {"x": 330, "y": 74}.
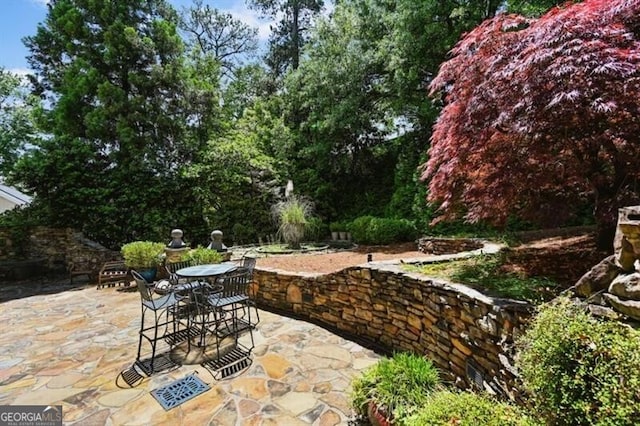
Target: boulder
{"x": 626, "y": 257}
{"x": 598, "y": 278}
{"x": 626, "y": 286}
{"x": 630, "y": 308}
{"x": 626, "y": 243}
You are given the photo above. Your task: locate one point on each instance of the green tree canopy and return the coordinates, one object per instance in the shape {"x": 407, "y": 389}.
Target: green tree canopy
{"x": 212, "y": 32}
{"x": 361, "y": 84}
{"x": 18, "y": 132}
{"x": 239, "y": 176}
{"x": 113, "y": 73}
{"x": 295, "y": 18}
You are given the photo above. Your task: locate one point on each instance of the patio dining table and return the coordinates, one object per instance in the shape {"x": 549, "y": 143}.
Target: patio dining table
{"x": 207, "y": 270}
{"x": 195, "y": 289}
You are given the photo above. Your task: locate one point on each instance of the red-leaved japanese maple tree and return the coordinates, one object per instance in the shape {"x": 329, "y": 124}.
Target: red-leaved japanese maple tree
{"x": 539, "y": 116}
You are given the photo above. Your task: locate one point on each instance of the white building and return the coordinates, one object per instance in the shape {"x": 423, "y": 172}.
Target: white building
{"x": 11, "y": 197}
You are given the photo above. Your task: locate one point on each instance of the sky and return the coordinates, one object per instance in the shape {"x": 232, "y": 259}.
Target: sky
{"x": 20, "y": 18}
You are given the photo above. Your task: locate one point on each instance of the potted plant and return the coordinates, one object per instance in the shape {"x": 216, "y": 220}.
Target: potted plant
{"x": 144, "y": 257}
{"x": 336, "y": 229}
{"x": 394, "y": 388}
{"x": 292, "y": 216}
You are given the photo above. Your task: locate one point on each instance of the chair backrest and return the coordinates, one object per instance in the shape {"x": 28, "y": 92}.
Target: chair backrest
{"x": 172, "y": 267}
{"x": 235, "y": 283}
{"x": 144, "y": 288}
{"x": 248, "y": 262}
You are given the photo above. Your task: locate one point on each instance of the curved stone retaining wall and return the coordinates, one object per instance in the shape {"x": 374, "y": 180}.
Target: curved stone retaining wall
{"x": 468, "y": 335}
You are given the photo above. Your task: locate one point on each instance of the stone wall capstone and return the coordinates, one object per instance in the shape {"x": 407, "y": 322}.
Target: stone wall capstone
{"x": 435, "y": 245}
{"x": 468, "y": 335}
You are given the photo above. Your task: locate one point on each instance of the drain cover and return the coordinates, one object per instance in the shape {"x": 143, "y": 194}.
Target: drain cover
{"x": 175, "y": 393}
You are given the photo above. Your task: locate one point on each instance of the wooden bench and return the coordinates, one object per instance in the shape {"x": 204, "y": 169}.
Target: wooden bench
{"x": 77, "y": 270}
{"x": 112, "y": 273}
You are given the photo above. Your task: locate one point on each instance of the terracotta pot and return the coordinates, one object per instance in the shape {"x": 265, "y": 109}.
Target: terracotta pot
{"x": 377, "y": 416}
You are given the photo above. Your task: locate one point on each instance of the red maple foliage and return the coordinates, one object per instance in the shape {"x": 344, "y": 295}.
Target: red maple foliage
{"x": 540, "y": 115}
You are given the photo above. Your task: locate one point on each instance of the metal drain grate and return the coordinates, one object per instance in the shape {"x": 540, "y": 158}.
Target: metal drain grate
{"x": 181, "y": 390}
{"x": 229, "y": 364}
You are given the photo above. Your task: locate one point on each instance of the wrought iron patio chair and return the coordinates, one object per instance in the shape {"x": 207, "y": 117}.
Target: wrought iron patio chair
{"x": 172, "y": 267}
{"x": 249, "y": 263}
{"x": 225, "y": 304}
{"x": 165, "y": 325}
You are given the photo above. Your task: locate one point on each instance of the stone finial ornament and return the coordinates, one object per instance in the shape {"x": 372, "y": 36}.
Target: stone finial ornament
{"x": 176, "y": 239}
{"x": 216, "y": 241}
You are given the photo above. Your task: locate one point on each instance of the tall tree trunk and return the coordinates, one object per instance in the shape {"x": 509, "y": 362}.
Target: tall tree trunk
{"x": 295, "y": 37}
{"x": 606, "y": 216}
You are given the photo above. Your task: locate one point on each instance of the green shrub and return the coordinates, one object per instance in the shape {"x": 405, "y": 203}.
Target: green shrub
{"x": 201, "y": 256}
{"x": 387, "y": 231}
{"x": 445, "y": 408}
{"x": 142, "y": 254}
{"x": 242, "y": 233}
{"x": 376, "y": 230}
{"x": 398, "y": 385}
{"x": 316, "y": 229}
{"x": 580, "y": 370}
{"x": 359, "y": 229}
{"x": 18, "y": 223}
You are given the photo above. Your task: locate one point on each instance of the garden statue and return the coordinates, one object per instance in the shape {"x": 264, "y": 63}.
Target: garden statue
{"x": 216, "y": 241}
{"x": 288, "y": 190}
{"x": 615, "y": 282}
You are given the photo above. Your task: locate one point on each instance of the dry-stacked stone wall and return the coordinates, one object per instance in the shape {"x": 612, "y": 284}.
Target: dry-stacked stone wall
{"x": 50, "y": 250}
{"x": 468, "y": 335}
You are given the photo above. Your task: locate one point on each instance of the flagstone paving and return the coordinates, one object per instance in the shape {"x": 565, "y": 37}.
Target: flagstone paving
{"x": 66, "y": 345}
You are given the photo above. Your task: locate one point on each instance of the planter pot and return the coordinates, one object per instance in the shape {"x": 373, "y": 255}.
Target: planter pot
{"x": 148, "y": 274}
{"x": 376, "y": 416}
{"x": 343, "y": 236}
{"x": 335, "y": 235}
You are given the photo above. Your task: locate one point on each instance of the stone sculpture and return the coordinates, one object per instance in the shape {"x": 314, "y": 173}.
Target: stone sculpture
{"x": 176, "y": 239}
{"x": 216, "y": 241}
{"x": 176, "y": 247}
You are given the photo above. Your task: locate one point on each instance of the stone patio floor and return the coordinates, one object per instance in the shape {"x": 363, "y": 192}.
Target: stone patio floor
{"x": 66, "y": 345}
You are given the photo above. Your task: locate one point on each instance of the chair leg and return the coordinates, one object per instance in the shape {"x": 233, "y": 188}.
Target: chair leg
{"x": 251, "y": 325}
{"x": 153, "y": 341}
{"x": 140, "y": 335}
{"x": 252, "y": 304}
